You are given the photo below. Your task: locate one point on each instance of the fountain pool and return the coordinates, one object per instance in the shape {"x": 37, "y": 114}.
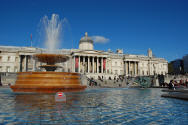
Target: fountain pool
{"x": 93, "y": 106}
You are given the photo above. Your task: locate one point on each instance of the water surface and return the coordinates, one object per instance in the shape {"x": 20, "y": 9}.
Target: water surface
{"x": 93, "y": 106}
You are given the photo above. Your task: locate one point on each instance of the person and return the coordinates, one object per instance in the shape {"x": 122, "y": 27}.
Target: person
{"x": 173, "y": 86}
{"x": 186, "y": 83}
{"x": 95, "y": 83}
{"x": 170, "y": 86}
{"x": 115, "y": 79}
{"x": 181, "y": 82}
{"x": 110, "y": 78}
{"x": 175, "y": 82}
{"x": 99, "y": 78}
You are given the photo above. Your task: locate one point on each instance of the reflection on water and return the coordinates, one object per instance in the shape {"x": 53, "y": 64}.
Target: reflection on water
{"x": 93, "y": 106}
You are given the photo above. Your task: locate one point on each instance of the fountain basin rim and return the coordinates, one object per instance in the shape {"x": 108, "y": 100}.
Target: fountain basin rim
{"x": 49, "y": 72}
{"x": 50, "y": 58}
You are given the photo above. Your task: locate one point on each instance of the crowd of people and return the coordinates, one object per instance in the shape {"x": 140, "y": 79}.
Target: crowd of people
{"x": 173, "y": 84}
{"x": 92, "y": 82}
{"x": 116, "y": 79}
{"x": 180, "y": 83}
{"x": 119, "y": 79}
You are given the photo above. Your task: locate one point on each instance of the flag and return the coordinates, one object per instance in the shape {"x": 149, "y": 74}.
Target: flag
{"x": 76, "y": 64}
{"x": 104, "y": 64}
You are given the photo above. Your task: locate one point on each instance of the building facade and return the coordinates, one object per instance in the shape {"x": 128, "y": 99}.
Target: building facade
{"x": 185, "y": 63}
{"x": 85, "y": 60}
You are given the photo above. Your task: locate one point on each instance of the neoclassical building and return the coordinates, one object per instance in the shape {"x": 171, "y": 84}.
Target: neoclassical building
{"x": 85, "y": 60}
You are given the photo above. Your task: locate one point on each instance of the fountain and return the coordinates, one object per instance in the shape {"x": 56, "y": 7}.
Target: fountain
{"x": 50, "y": 59}
{"x": 144, "y": 81}
{"x": 49, "y": 81}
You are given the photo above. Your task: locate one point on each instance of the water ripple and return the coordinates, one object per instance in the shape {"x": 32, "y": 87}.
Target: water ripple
{"x": 93, "y": 106}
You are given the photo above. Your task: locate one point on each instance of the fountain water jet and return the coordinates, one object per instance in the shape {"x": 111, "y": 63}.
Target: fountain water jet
{"x": 52, "y": 29}
{"x": 49, "y": 81}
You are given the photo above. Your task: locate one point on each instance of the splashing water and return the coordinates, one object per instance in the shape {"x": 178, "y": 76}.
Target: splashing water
{"x": 52, "y": 31}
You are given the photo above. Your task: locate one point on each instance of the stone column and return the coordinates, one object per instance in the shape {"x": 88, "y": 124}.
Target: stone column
{"x": 25, "y": 63}
{"x": 129, "y": 69}
{"x": 88, "y": 63}
{"x": 34, "y": 64}
{"x": 138, "y": 69}
{"x": 92, "y": 64}
{"x": 110, "y": 66}
{"x": 74, "y": 64}
{"x": 149, "y": 68}
{"x": 135, "y": 68}
{"x": 97, "y": 64}
{"x": 102, "y": 65}
{"x": 125, "y": 68}
{"x": 79, "y": 64}
{"x": 84, "y": 63}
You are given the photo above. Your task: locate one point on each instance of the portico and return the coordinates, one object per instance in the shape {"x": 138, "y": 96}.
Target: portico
{"x": 25, "y": 63}
{"x": 131, "y": 67}
{"x": 89, "y": 63}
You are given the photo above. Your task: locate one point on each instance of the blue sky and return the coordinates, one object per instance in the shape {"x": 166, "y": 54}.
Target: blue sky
{"x": 131, "y": 25}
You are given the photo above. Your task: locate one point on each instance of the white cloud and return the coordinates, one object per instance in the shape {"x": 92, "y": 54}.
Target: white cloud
{"x": 99, "y": 39}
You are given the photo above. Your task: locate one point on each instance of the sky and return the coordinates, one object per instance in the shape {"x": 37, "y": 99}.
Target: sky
{"x": 131, "y": 25}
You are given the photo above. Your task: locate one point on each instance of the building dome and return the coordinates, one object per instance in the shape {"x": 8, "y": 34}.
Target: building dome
{"x": 86, "y": 43}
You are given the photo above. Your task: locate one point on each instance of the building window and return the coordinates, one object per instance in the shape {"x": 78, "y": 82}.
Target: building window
{"x": 0, "y": 58}
{"x": 142, "y": 72}
{"x": 8, "y": 58}
{"x": 0, "y": 68}
{"x": 115, "y": 63}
